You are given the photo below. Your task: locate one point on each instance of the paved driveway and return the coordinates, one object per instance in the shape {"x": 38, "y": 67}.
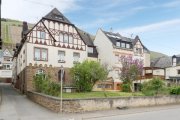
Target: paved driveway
{"x": 15, "y": 106}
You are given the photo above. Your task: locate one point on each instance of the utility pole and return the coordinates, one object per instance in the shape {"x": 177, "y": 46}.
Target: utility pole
{"x": 0, "y": 28}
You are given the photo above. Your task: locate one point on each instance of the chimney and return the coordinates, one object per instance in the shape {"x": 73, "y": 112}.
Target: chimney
{"x": 174, "y": 60}
{"x": 24, "y": 29}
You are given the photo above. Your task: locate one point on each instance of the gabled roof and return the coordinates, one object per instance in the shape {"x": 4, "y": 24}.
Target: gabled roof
{"x": 56, "y": 15}
{"x": 7, "y": 53}
{"x": 114, "y": 37}
{"x": 88, "y": 39}
{"x": 161, "y": 62}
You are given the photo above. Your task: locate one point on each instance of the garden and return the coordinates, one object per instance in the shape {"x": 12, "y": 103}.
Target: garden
{"x": 86, "y": 74}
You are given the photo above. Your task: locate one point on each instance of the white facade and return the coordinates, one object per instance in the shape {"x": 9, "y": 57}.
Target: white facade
{"x": 173, "y": 71}
{"x": 5, "y": 64}
{"x": 110, "y": 54}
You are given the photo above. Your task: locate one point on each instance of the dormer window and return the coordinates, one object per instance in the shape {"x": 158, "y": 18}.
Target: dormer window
{"x": 118, "y": 44}
{"x": 128, "y": 46}
{"x": 123, "y": 45}
{"x": 58, "y": 17}
{"x": 90, "y": 49}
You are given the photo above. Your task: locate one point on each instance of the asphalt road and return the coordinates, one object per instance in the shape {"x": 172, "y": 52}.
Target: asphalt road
{"x": 168, "y": 114}
{"x": 16, "y": 106}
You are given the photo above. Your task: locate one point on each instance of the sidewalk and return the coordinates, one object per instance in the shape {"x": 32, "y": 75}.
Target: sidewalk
{"x": 116, "y": 112}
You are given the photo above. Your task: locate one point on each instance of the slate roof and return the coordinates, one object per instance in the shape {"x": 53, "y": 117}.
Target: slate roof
{"x": 56, "y": 15}
{"x": 88, "y": 39}
{"x": 114, "y": 37}
{"x": 161, "y": 62}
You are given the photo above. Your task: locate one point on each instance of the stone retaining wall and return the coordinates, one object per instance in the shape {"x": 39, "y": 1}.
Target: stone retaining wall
{"x": 93, "y": 104}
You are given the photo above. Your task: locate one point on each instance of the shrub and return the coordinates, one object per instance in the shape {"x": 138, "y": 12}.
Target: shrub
{"x": 175, "y": 90}
{"x": 154, "y": 87}
{"x": 86, "y": 74}
{"x": 126, "y": 87}
{"x": 44, "y": 85}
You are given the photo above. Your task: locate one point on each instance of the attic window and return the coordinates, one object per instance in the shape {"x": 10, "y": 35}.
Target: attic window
{"x": 127, "y": 45}
{"x": 123, "y": 45}
{"x": 118, "y": 44}
{"x": 90, "y": 49}
{"x": 58, "y": 17}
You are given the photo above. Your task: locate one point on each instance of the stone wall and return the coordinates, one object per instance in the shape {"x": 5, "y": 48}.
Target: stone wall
{"x": 25, "y": 78}
{"x": 94, "y": 104}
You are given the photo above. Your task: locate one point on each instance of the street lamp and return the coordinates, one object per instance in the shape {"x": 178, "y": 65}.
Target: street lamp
{"x": 62, "y": 75}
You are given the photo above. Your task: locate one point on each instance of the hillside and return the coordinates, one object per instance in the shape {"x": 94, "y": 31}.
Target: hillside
{"x": 11, "y": 31}
{"x": 11, "y": 34}
{"x": 154, "y": 55}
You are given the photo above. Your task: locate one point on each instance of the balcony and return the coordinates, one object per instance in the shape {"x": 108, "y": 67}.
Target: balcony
{"x": 5, "y": 73}
{"x": 151, "y": 76}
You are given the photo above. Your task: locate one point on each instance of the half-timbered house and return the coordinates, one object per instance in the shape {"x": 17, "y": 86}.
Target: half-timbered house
{"x": 53, "y": 42}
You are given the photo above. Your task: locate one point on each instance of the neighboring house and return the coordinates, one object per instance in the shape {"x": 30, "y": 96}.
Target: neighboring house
{"x": 5, "y": 65}
{"x": 157, "y": 68}
{"x": 173, "y": 72}
{"x": 111, "y": 46}
{"x": 53, "y": 42}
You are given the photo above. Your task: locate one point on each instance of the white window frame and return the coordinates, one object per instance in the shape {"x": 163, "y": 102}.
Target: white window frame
{"x": 118, "y": 44}
{"x": 123, "y": 45}
{"x": 61, "y": 56}
{"x": 128, "y": 45}
{"x": 65, "y": 38}
{"x": 41, "y": 54}
{"x": 70, "y": 39}
{"x": 42, "y": 35}
{"x": 76, "y": 56}
{"x": 90, "y": 50}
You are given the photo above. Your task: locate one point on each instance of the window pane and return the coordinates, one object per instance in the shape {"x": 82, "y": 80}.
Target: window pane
{"x": 61, "y": 37}
{"x": 37, "y": 54}
{"x": 76, "y": 56}
{"x": 123, "y": 45}
{"x": 70, "y": 39}
{"x": 127, "y": 45}
{"x": 118, "y": 44}
{"x": 61, "y": 55}
{"x": 42, "y": 35}
{"x": 44, "y": 54}
{"x": 65, "y": 38}
{"x": 90, "y": 49}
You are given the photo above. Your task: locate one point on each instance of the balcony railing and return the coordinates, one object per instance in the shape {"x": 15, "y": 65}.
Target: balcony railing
{"x": 151, "y": 76}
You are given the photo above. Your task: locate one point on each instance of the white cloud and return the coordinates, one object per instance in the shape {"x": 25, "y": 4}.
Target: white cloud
{"x": 151, "y": 27}
{"x": 33, "y": 10}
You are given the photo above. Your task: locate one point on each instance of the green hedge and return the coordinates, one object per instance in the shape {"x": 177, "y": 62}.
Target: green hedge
{"x": 175, "y": 90}
{"x": 44, "y": 85}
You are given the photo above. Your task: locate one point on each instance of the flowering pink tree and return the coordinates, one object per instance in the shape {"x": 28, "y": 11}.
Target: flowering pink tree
{"x": 130, "y": 70}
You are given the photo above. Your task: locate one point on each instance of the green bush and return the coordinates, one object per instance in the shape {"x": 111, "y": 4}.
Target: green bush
{"x": 175, "y": 90}
{"x": 86, "y": 74}
{"x": 156, "y": 86}
{"x": 126, "y": 87}
{"x": 44, "y": 85}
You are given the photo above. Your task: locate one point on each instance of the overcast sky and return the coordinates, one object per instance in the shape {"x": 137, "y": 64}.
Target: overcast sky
{"x": 157, "y": 22}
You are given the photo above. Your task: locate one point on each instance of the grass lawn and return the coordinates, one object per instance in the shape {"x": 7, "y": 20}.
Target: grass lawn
{"x": 100, "y": 94}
